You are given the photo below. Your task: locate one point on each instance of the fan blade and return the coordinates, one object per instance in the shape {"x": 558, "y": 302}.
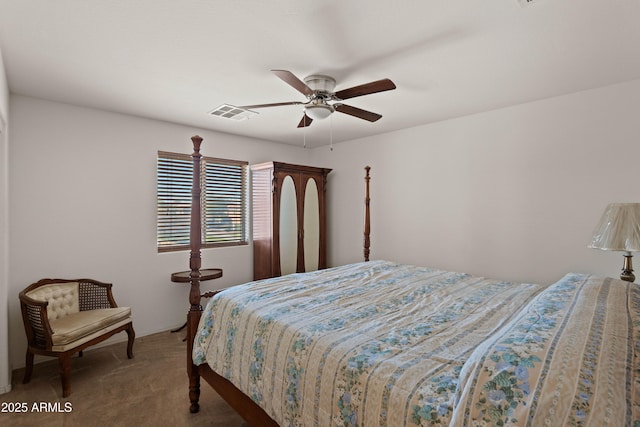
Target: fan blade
{"x": 306, "y": 121}
{"x": 289, "y": 78}
{"x": 366, "y": 89}
{"x": 277, "y": 104}
{"x": 357, "y": 112}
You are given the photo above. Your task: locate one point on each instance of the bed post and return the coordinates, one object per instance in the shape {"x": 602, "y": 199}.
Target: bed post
{"x": 367, "y": 219}
{"x": 195, "y": 311}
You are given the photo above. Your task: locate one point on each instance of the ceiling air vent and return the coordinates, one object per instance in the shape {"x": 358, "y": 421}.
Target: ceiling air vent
{"x": 227, "y": 111}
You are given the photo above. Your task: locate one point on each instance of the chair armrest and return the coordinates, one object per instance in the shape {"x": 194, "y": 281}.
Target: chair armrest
{"x": 93, "y": 295}
{"x": 36, "y": 322}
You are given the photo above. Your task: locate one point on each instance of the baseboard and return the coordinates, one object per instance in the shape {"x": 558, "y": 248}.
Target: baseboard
{"x": 5, "y": 389}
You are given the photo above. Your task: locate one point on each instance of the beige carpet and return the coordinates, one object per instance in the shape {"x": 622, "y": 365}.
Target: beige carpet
{"x": 107, "y": 389}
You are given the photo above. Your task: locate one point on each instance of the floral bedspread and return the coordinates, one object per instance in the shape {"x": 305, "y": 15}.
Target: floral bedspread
{"x": 570, "y": 358}
{"x": 380, "y": 343}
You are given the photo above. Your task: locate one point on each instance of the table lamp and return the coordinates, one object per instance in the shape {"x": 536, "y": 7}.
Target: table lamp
{"x": 619, "y": 230}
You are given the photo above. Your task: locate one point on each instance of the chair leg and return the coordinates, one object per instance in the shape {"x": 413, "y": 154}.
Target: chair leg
{"x": 132, "y": 335}
{"x": 65, "y": 373}
{"x": 28, "y": 367}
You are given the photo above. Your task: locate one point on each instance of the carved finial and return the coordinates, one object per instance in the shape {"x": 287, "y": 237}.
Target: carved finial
{"x": 196, "y": 143}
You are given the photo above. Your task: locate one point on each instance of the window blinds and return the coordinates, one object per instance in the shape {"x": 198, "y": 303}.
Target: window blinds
{"x": 223, "y": 201}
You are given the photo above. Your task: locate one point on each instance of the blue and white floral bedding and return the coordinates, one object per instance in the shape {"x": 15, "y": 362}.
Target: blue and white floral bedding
{"x": 380, "y": 343}
{"x": 570, "y": 358}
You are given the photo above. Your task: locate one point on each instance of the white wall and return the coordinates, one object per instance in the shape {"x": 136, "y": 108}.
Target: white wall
{"x": 5, "y": 370}
{"x": 513, "y": 193}
{"x": 82, "y": 204}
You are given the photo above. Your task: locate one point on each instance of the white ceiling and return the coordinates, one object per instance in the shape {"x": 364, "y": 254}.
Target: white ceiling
{"x": 176, "y": 60}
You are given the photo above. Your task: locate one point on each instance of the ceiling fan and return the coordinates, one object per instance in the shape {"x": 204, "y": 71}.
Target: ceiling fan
{"x": 319, "y": 92}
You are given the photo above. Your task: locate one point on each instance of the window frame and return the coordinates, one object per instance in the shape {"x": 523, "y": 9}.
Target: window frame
{"x": 218, "y": 178}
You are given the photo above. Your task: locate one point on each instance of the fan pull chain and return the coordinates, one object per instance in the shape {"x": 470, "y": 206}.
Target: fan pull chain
{"x": 331, "y": 132}
{"x": 304, "y": 131}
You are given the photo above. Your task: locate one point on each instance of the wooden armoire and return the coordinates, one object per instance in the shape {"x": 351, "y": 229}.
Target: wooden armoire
{"x": 289, "y": 219}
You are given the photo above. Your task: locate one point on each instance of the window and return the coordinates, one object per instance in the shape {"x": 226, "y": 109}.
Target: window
{"x": 224, "y": 201}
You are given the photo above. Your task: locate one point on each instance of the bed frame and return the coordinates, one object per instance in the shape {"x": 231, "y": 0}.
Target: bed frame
{"x": 241, "y": 403}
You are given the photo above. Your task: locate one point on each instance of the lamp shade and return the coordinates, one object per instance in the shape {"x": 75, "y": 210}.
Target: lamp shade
{"x": 618, "y": 229}
{"x": 319, "y": 111}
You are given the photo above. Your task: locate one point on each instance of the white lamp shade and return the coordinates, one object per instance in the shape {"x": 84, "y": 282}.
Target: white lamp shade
{"x": 619, "y": 228}
{"x": 318, "y": 111}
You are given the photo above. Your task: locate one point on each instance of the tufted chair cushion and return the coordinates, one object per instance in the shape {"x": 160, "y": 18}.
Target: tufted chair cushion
{"x": 62, "y": 298}
{"x": 75, "y": 326}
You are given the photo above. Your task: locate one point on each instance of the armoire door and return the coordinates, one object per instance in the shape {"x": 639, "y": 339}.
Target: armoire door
{"x": 310, "y": 243}
{"x": 289, "y": 234}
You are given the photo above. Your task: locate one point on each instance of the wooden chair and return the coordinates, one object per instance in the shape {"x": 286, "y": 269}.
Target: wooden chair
{"x": 62, "y": 317}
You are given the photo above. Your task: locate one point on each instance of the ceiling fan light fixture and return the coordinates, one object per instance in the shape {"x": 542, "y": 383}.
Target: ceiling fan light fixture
{"x": 318, "y": 111}
{"x": 319, "y": 92}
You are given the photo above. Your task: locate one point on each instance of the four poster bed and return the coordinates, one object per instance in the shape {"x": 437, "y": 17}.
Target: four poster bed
{"x": 380, "y": 343}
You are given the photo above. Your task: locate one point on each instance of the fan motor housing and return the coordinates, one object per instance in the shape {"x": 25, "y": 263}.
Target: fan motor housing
{"x": 320, "y": 83}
